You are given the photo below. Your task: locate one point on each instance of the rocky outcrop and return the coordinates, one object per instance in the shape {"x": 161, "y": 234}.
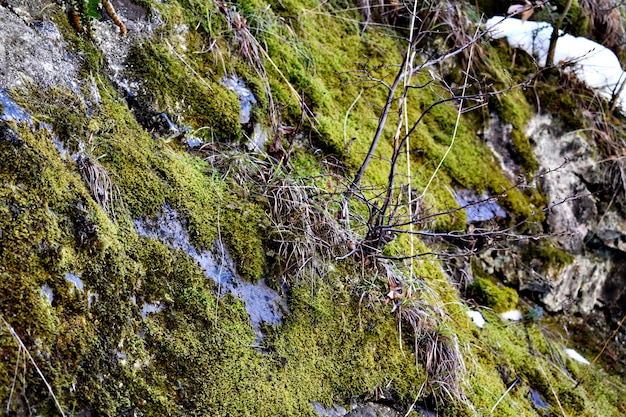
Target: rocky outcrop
{"x": 580, "y": 218}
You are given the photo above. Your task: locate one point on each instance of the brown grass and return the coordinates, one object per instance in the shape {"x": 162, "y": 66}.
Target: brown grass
{"x": 605, "y": 22}
{"x": 102, "y": 188}
{"x": 438, "y": 353}
{"x": 302, "y": 227}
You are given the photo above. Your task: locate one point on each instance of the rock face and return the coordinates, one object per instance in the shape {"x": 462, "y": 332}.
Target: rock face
{"x": 33, "y": 50}
{"x": 580, "y": 218}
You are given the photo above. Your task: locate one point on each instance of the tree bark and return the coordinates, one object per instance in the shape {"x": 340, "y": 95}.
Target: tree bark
{"x": 555, "y": 34}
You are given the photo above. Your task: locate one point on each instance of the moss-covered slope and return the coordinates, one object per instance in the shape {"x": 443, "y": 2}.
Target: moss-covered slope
{"x": 120, "y": 323}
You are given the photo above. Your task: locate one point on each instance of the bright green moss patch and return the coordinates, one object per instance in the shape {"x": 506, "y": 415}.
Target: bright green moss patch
{"x": 505, "y": 351}
{"x": 147, "y": 333}
{"x": 515, "y": 110}
{"x": 489, "y": 292}
{"x": 171, "y": 87}
{"x": 146, "y": 175}
{"x": 499, "y": 297}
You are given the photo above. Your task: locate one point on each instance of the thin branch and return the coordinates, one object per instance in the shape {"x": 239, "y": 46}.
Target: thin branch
{"x": 379, "y": 129}
{"x": 606, "y": 343}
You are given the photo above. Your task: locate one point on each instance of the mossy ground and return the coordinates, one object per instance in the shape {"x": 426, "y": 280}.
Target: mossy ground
{"x": 199, "y": 355}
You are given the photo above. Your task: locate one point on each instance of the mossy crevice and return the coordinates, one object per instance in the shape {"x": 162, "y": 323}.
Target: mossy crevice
{"x": 491, "y": 293}
{"x": 550, "y": 258}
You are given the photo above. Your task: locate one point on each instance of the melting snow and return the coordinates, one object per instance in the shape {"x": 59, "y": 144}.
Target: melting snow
{"x": 74, "y": 279}
{"x": 47, "y": 293}
{"x": 513, "y": 315}
{"x": 477, "y": 318}
{"x": 576, "y": 356}
{"x": 598, "y": 67}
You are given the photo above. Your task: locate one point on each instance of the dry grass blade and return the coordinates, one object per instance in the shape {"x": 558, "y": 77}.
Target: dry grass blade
{"x": 605, "y": 22}
{"x": 99, "y": 183}
{"x": 302, "y": 228}
{"x": 303, "y": 231}
{"x": 27, "y": 353}
{"x": 253, "y": 53}
{"x": 525, "y": 10}
{"x": 437, "y": 353}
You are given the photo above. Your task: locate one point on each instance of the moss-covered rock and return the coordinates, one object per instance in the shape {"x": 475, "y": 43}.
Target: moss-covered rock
{"x": 119, "y": 322}
{"x": 172, "y": 87}
{"x": 551, "y": 258}
{"x": 495, "y": 295}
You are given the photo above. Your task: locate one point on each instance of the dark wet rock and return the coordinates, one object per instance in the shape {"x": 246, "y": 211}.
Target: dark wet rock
{"x": 537, "y": 399}
{"x": 7, "y": 134}
{"x": 478, "y": 208}
{"x": 333, "y": 411}
{"x": 608, "y": 239}
{"x": 373, "y": 410}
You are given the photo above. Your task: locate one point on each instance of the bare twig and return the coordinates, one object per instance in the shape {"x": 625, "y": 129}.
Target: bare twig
{"x": 515, "y": 382}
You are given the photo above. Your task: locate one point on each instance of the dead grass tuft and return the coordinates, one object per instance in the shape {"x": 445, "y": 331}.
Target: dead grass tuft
{"x": 302, "y": 228}
{"x": 438, "y": 353}
{"x": 102, "y": 188}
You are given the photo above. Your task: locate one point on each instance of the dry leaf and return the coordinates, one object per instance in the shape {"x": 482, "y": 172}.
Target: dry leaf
{"x": 525, "y": 9}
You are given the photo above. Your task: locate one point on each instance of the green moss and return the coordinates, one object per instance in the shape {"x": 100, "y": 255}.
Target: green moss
{"x": 499, "y": 297}
{"x": 199, "y": 354}
{"x": 172, "y": 87}
{"x": 554, "y": 101}
{"x": 196, "y": 341}
{"x": 515, "y": 110}
{"x": 489, "y": 292}
{"x": 552, "y": 258}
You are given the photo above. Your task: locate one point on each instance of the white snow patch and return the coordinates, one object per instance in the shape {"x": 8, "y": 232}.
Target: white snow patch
{"x": 598, "y": 67}
{"x": 151, "y": 308}
{"x": 576, "y": 356}
{"x": 75, "y": 279}
{"x": 477, "y": 318}
{"x": 513, "y": 315}
{"x": 47, "y": 293}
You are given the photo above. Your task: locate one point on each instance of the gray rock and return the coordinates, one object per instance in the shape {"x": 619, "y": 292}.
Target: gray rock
{"x": 570, "y": 158}
{"x": 597, "y": 240}
{"x": 334, "y": 411}
{"x": 478, "y": 208}
{"x": 497, "y": 136}
{"x": 373, "y": 410}
{"x": 33, "y": 52}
